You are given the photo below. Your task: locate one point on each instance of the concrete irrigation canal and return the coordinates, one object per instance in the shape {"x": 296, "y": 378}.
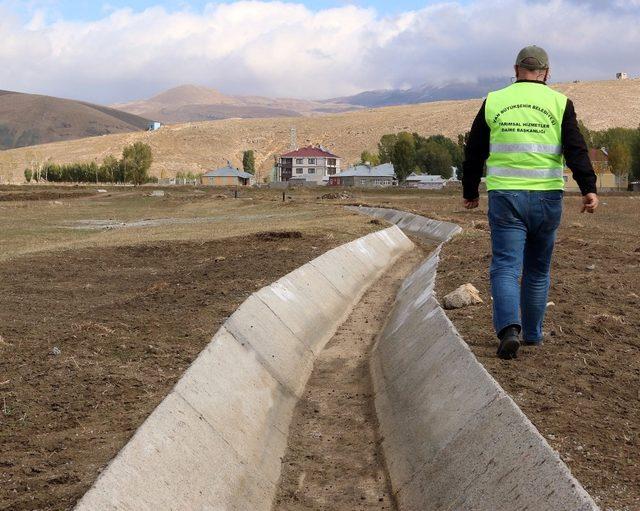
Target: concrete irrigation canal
{"x": 341, "y": 386}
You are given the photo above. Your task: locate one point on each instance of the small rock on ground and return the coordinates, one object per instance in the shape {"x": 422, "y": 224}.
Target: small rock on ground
{"x": 464, "y": 296}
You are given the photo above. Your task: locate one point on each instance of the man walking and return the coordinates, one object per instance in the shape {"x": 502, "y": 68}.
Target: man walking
{"x": 524, "y": 133}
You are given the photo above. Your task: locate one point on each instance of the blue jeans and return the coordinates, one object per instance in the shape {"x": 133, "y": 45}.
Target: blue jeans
{"x": 523, "y": 232}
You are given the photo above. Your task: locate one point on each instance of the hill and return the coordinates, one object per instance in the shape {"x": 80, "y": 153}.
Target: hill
{"x": 195, "y": 103}
{"x": 197, "y": 147}
{"x": 29, "y": 119}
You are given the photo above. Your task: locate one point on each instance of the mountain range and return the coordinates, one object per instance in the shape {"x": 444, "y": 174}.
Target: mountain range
{"x": 31, "y": 119}
{"x": 189, "y": 103}
{"x": 425, "y": 93}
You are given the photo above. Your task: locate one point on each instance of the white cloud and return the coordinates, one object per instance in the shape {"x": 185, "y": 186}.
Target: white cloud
{"x": 285, "y": 49}
{"x": 38, "y": 20}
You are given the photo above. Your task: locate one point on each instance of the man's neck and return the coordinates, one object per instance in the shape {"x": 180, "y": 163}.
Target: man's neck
{"x": 526, "y": 80}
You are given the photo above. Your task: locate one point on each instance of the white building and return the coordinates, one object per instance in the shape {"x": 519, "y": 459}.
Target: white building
{"x": 622, "y": 76}
{"x": 365, "y": 176}
{"x": 309, "y": 164}
{"x": 425, "y": 181}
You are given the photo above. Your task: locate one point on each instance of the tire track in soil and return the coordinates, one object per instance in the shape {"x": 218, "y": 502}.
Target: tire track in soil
{"x": 334, "y": 459}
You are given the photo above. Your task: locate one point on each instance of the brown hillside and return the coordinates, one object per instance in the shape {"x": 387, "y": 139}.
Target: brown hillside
{"x": 29, "y": 119}
{"x": 193, "y": 103}
{"x": 606, "y": 104}
{"x": 192, "y": 95}
{"x": 201, "y": 146}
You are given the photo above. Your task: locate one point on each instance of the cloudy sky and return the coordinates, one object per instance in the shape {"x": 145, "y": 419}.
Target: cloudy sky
{"x": 124, "y": 50}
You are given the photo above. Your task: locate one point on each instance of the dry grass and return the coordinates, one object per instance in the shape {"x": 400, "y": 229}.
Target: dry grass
{"x": 194, "y": 215}
{"x": 201, "y": 146}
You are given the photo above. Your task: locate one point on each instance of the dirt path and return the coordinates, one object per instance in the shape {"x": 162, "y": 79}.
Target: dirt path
{"x": 334, "y": 461}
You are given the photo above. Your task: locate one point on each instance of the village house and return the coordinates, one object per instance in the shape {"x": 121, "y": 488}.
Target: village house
{"x": 365, "y": 176}
{"x": 425, "y": 181}
{"x": 307, "y": 164}
{"x": 227, "y": 176}
{"x": 606, "y": 179}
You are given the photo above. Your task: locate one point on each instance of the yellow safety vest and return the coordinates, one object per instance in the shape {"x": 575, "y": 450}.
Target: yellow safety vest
{"x": 526, "y": 138}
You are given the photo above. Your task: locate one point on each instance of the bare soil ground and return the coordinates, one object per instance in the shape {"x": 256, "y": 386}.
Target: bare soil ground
{"x": 334, "y": 461}
{"x": 35, "y": 194}
{"x": 94, "y": 331}
{"x": 581, "y": 388}
{"x": 118, "y": 303}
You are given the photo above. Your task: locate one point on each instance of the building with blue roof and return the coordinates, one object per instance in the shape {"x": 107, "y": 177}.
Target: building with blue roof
{"x": 365, "y": 176}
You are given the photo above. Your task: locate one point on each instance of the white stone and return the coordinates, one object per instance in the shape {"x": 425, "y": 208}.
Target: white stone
{"x": 464, "y": 296}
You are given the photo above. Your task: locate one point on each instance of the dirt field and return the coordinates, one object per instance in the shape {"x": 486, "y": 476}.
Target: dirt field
{"x": 94, "y": 334}
{"x": 12, "y": 193}
{"x": 128, "y": 308}
{"x": 184, "y": 213}
{"x": 581, "y": 388}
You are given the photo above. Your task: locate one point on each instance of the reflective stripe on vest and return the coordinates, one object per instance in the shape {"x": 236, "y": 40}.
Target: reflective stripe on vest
{"x": 526, "y": 148}
{"x": 525, "y": 121}
{"x": 526, "y": 173}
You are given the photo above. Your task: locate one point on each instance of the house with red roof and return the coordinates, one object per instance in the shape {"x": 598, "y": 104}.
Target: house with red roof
{"x": 312, "y": 164}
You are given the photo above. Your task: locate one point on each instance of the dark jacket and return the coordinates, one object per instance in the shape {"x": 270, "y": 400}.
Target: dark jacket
{"x": 574, "y": 149}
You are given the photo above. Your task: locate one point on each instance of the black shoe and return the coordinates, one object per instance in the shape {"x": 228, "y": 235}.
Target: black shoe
{"x": 509, "y": 343}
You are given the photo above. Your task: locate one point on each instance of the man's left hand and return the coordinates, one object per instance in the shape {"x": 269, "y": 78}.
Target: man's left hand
{"x": 471, "y": 204}
{"x": 590, "y": 203}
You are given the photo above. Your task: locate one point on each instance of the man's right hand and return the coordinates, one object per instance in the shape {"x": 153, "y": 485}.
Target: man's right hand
{"x": 471, "y": 204}
{"x": 589, "y": 203}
